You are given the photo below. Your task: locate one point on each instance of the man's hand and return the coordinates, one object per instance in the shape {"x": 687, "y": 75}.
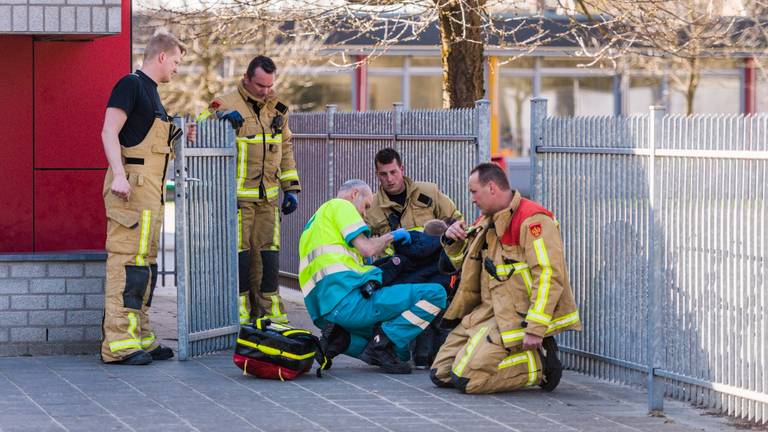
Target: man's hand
{"x": 233, "y": 117}
{"x": 290, "y": 203}
{"x": 532, "y": 342}
{"x": 457, "y": 231}
{"x": 401, "y": 235}
{"x": 191, "y": 132}
{"x": 120, "y": 187}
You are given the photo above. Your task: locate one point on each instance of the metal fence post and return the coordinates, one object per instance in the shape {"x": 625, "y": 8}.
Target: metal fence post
{"x": 655, "y": 333}
{"x": 538, "y": 112}
{"x": 182, "y": 256}
{"x": 330, "y": 110}
{"x": 483, "y": 130}
{"x": 397, "y": 116}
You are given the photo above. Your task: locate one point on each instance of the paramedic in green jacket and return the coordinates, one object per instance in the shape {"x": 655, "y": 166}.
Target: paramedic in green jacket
{"x": 344, "y": 296}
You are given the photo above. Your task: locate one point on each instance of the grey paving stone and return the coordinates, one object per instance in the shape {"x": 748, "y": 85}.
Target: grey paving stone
{"x": 27, "y": 270}
{"x": 95, "y": 269}
{"x": 94, "y": 301}
{"x": 65, "y": 334}
{"x": 36, "y": 18}
{"x": 65, "y": 270}
{"x": 28, "y": 334}
{"x": 48, "y": 318}
{"x": 5, "y": 269}
{"x": 93, "y": 333}
{"x": 47, "y": 286}
{"x": 9, "y": 319}
{"x": 88, "y": 285}
{"x": 84, "y": 317}
{"x": 14, "y": 286}
{"x": 114, "y": 19}
{"x": 66, "y": 301}
{"x": 67, "y": 19}
{"x": 19, "y": 18}
{"x": 5, "y": 302}
{"x": 26, "y": 302}
{"x": 83, "y": 14}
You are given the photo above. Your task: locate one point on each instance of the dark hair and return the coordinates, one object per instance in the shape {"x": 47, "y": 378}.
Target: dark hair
{"x": 387, "y": 155}
{"x": 490, "y": 172}
{"x": 265, "y": 63}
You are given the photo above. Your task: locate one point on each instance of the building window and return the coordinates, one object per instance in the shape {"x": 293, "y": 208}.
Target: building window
{"x": 426, "y": 92}
{"x": 515, "y": 113}
{"x": 643, "y": 93}
{"x": 323, "y": 90}
{"x": 384, "y": 91}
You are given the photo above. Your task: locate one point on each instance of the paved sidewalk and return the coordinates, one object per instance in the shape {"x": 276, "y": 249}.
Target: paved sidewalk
{"x": 211, "y": 394}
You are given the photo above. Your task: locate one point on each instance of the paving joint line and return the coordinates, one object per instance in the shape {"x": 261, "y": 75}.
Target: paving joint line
{"x": 534, "y": 413}
{"x": 91, "y": 399}
{"x": 158, "y": 403}
{"x": 212, "y": 400}
{"x": 265, "y": 398}
{"x": 455, "y": 404}
{"x": 34, "y": 402}
{"x": 598, "y": 415}
{"x": 397, "y": 404}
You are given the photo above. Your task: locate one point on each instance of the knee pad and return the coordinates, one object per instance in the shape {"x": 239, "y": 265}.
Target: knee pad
{"x": 244, "y": 271}
{"x": 153, "y": 283}
{"x": 136, "y": 282}
{"x": 270, "y": 274}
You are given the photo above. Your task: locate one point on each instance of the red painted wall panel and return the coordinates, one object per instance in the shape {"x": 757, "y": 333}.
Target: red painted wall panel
{"x": 69, "y": 210}
{"x": 73, "y": 81}
{"x": 16, "y": 144}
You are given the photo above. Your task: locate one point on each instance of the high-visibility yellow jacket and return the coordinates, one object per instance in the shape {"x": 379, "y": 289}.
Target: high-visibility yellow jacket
{"x": 529, "y": 292}
{"x": 424, "y": 201}
{"x": 265, "y": 160}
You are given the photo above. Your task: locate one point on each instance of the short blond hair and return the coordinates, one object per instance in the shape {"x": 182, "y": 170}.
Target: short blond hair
{"x": 162, "y": 41}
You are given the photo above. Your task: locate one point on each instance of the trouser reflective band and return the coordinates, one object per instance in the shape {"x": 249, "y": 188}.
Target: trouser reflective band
{"x": 275, "y": 314}
{"x": 239, "y": 230}
{"x": 127, "y": 343}
{"x": 243, "y": 311}
{"x": 519, "y": 358}
{"x": 146, "y": 342}
{"x": 471, "y": 345}
{"x": 146, "y": 223}
{"x": 276, "y": 233}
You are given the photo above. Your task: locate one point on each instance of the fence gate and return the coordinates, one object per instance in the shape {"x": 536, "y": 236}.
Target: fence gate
{"x": 206, "y": 248}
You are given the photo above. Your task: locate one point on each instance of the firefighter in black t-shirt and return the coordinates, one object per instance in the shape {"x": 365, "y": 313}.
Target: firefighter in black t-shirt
{"x": 138, "y": 141}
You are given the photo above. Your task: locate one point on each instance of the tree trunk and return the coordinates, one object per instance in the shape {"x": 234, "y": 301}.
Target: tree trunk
{"x": 462, "y": 52}
{"x": 694, "y": 74}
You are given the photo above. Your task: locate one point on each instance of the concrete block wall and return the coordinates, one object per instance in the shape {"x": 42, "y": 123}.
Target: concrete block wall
{"x": 51, "y": 307}
{"x": 64, "y": 17}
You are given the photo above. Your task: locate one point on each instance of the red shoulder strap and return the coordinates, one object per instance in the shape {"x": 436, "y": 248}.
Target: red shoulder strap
{"x": 526, "y": 209}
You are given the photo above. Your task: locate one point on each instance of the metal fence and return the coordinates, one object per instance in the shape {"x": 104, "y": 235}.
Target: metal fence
{"x": 664, "y": 223}
{"x": 206, "y": 246}
{"x": 439, "y": 146}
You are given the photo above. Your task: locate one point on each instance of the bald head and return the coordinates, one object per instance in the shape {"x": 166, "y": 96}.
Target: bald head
{"x": 358, "y": 193}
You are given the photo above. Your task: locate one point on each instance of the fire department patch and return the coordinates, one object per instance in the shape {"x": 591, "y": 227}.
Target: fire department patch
{"x": 215, "y": 104}
{"x": 535, "y": 229}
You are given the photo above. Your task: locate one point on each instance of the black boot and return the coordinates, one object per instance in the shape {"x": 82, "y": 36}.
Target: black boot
{"x": 552, "y": 368}
{"x": 381, "y": 352}
{"x": 334, "y": 341}
{"x": 161, "y": 353}
{"x": 139, "y": 357}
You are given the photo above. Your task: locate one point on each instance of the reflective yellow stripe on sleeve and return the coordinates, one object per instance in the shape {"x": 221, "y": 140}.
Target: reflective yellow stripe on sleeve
{"x": 291, "y": 174}
{"x": 563, "y": 321}
{"x": 536, "y": 313}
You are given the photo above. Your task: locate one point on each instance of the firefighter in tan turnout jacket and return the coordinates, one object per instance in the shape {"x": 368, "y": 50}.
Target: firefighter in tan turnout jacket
{"x": 138, "y": 137}
{"x": 513, "y": 297}
{"x": 265, "y": 165}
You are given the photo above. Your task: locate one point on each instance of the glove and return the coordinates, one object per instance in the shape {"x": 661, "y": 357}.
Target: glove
{"x": 233, "y": 117}
{"x": 290, "y": 203}
{"x": 402, "y": 235}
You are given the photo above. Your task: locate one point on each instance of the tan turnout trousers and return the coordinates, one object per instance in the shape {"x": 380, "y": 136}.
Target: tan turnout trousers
{"x": 133, "y": 233}
{"x": 475, "y": 360}
{"x": 259, "y": 246}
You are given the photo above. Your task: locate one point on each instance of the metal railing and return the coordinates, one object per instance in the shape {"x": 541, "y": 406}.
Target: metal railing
{"x": 664, "y": 223}
{"x": 439, "y": 146}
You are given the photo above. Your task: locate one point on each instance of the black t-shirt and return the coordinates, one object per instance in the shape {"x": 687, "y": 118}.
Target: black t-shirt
{"x": 399, "y": 198}
{"x": 136, "y": 94}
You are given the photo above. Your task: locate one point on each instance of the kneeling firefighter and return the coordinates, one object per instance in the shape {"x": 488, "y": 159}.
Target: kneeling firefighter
{"x": 513, "y": 297}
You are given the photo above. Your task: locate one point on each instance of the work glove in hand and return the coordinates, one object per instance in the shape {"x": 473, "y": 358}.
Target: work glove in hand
{"x": 402, "y": 236}
{"x": 233, "y": 117}
{"x": 290, "y": 203}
